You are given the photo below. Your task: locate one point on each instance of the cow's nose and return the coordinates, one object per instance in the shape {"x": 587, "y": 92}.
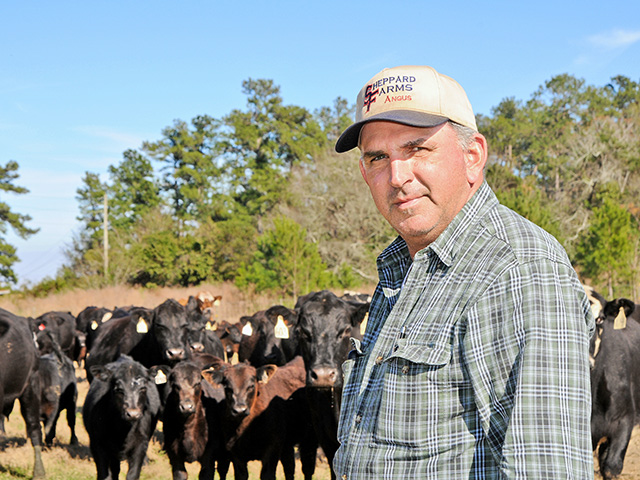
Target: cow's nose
{"x": 240, "y": 410}
{"x": 197, "y": 347}
{"x": 323, "y": 377}
{"x": 175, "y": 354}
{"x": 187, "y": 407}
{"x": 133, "y": 414}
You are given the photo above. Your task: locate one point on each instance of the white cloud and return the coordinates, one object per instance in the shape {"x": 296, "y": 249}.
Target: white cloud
{"x": 614, "y": 39}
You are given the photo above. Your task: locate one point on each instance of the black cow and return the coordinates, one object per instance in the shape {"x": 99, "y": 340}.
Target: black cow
{"x": 118, "y": 336}
{"x": 615, "y": 384}
{"x": 19, "y": 379}
{"x": 260, "y": 421}
{"x": 325, "y": 325}
{"x": 89, "y": 320}
{"x": 190, "y": 421}
{"x": 59, "y": 390}
{"x": 268, "y": 337}
{"x": 120, "y": 414}
{"x": 63, "y": 327}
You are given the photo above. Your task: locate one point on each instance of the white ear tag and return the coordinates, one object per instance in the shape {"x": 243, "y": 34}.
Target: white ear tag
{"x": 216, "y": 302}
{"x": 281, "y": 330}
{"x": 363, "y": 325}
{"x": 620, "y": 321}
{"x": 106, "y": 317}
{"x": 142, "y": 326}
{"x": 94, "y": 325}
{"x": 161, "y": 378}
{"x": 247, "y": 330}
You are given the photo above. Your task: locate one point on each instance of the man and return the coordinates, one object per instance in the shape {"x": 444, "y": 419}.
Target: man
{"x": 474, "y": 363}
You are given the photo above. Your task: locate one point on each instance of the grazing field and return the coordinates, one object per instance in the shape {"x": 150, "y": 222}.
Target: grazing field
{"x": 65, "y": 462}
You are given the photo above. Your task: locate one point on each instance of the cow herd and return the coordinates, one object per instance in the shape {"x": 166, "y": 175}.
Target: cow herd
{"x": 223, "y": 394}
{"x": 226, "y": 394}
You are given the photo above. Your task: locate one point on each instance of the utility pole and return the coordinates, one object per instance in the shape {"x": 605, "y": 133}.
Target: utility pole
{"x": 106, "y": 237}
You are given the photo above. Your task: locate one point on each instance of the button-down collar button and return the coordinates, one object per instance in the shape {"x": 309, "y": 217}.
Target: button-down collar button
{"x": 379, "y": 360}
{"x": 343, "y": 477}
{"x": 405, "y": 369}
{"x": 358, "y": 418}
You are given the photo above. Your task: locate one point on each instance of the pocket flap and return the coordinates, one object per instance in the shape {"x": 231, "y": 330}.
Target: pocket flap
{"x": 431, "y": 353}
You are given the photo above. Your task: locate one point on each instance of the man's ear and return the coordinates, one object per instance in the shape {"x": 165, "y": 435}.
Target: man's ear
{"x": 476, "y": 158}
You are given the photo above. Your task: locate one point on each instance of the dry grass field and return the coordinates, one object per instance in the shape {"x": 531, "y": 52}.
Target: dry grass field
{"x": 64, "y": 462}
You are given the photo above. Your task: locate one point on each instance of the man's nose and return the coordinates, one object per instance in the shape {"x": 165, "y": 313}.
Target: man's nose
{"x": 401, "y": 172}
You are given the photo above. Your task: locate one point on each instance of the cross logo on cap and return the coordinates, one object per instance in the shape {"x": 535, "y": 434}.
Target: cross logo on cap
{"x": 369, "y": 97}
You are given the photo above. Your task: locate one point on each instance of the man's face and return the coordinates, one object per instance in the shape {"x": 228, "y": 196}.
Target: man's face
{"x": 418, "y": 177}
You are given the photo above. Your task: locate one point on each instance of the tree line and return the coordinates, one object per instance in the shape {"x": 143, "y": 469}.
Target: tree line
{"x": 258, "y": 197}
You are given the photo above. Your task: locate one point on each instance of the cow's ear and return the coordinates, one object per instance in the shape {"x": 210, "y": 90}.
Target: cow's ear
{"x": 359, "y": 311}
{"x": 627, "y": 304}
{"x": 214, "y": 374}
{"x": 265, "y": 373}
{"x": 193, "y": 304}
{"x": 4, "y": 326}
{"x": 100, "y": 372}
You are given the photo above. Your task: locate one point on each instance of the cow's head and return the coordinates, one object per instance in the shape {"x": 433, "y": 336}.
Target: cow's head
{"x": 325, "y": 325}
{"x": 241, "y": 384}
{"x": 168, "y": 326}
{"x": 128, "y": 383}
{"x": 184, "y": 389}
{"x": 268, "y": 337}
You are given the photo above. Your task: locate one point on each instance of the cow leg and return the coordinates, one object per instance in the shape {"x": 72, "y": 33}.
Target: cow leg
{"x": 612, "y": 452}
{"x": 308, "y": 449}
{"x": 240, "y": 470}
{"x": 136, "y": 460}
{"x": 288, "y": 461}
{"x": 30, "y": 410}
{"x": 178, "y": 469}
{"x": 70, "y": 400}
{"x": 223, "y": 467}
{"x": 50, "y": 424}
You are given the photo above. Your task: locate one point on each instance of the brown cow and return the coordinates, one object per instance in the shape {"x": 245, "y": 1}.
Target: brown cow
{"x": 265, "y": 417}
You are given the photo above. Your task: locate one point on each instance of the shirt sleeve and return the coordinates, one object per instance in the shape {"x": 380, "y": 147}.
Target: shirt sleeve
{"x": 526, "y": 354}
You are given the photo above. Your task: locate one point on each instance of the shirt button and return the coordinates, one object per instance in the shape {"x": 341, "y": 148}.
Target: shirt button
{"x": 405, "y": 369}
{"x": 343, "y": 477}
{"x": 358, "y": 418}
{"x": 379, "y": 360}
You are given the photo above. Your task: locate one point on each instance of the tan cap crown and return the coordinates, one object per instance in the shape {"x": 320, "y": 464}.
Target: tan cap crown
{"x": 412, "y": 95}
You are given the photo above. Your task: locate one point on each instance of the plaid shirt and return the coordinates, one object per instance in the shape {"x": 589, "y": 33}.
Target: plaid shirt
{"x": 477, "y": 366}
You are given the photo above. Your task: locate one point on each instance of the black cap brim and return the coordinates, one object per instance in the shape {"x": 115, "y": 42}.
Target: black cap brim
{"x": 349, "y": 138}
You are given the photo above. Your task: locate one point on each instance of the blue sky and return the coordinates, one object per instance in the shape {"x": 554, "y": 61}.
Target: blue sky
{"x": 81, "y": 82}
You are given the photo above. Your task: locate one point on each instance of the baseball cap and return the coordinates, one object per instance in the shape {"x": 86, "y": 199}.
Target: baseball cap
{"x": 418, "y": 96}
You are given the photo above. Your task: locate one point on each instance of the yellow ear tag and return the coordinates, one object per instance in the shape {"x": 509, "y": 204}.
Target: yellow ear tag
{"x": 210, "y": 326}
{"x": 94, "y": 325}
{"x": 142, "y": 327}
{"x": 161, "y": 378}
{"x": 281, "y": 329}
{"x": 247, "y": 330}
{"x": 621, "y": 320}
{"x": 363, "y": 325}
{"x": 106, "y": 317}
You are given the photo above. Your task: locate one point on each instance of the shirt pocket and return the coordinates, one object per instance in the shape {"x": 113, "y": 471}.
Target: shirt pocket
{"x": 420, "y": 397}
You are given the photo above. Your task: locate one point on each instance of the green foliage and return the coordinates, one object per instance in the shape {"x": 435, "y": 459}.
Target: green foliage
{"x": 525, "y": 197}
{"x": 285, "y": 261}
{"x": 607, "y": 249}
{"x": 9, "y": 218}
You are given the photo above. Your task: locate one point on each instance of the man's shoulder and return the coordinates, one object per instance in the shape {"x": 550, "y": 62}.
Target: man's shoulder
{"x": 524, "y": 238}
